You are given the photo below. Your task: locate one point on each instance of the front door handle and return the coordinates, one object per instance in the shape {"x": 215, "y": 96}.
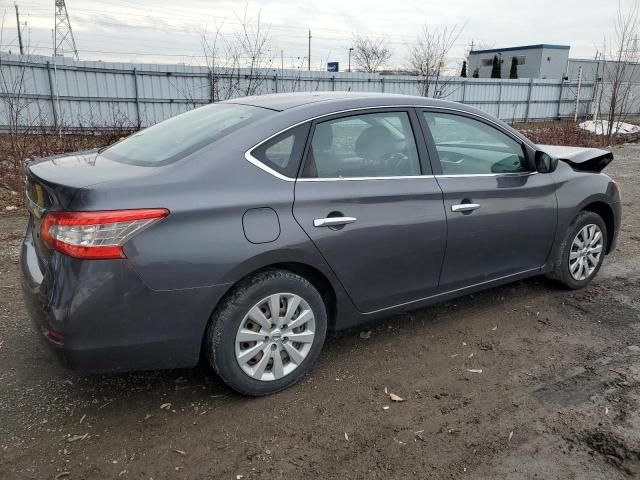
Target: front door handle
{"x": 465, "y": 207}
{"x": 333, "y": 221}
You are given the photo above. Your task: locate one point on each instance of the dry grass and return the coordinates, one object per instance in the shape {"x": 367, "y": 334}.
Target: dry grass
{"x": 16, "y": 149}
{"x": 566, "y": 133}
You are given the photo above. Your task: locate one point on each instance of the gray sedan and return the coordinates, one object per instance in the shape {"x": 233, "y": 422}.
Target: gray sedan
{"x": 242, "y": 231}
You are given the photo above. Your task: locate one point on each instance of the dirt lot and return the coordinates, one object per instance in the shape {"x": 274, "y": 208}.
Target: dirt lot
{"x": 558, "y": 396}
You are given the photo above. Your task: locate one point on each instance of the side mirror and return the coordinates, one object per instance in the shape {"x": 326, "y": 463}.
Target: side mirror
{"x": 545, "y": 163}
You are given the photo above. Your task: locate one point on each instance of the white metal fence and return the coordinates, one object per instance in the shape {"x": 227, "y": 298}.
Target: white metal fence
{"x": 42, "y": 92}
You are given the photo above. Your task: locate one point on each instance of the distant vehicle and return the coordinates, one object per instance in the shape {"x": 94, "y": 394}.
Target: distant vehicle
{"x": 241, "y": 231}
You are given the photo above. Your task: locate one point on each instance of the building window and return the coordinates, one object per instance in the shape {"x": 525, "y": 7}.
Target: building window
{"x": 522, "y": 59}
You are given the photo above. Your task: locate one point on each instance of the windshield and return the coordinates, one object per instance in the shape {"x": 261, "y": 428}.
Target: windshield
{"x": 179, "y": 136}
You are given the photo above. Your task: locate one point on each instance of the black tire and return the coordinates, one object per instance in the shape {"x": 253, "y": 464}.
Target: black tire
{"x": 560, "y": 268}
{"x": 226, "y": 320}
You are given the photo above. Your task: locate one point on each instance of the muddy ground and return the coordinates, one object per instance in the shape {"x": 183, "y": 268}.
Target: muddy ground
{"x": 558, "y": 396}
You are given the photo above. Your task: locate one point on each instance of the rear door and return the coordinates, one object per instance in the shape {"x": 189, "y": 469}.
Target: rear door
{"x": 368, "y": 201}
{"x": 501, "y": 215}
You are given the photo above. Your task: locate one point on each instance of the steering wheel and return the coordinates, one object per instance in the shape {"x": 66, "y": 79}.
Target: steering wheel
{"x": 395, "y": 160}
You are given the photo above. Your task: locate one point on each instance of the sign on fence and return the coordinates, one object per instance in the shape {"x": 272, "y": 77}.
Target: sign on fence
{"x": 333, "y": 67}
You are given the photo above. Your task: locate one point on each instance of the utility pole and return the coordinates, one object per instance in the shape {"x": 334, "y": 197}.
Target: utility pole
{"x": 282, "y": 69}
{"x": 63, "y": 35}
{"x": 309, "y": 52}
{"x": 19, "y": 30}
{"x": 575, "y": 117}
{"x": 350, "y": 50}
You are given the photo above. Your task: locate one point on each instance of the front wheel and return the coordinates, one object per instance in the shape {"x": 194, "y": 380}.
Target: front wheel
{"x": 267, "y": 333}
{"x": 582, "y": 251}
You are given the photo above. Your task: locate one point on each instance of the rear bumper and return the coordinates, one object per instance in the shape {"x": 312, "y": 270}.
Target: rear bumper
{"x": 108, "y": 318}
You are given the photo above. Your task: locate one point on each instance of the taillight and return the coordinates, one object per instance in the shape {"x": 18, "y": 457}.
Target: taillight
{"x": 96, "y": 234}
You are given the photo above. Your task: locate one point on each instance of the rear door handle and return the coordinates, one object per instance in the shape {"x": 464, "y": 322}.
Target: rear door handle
{"x": 465, "y": 207}
{"x": 333, "y": 221}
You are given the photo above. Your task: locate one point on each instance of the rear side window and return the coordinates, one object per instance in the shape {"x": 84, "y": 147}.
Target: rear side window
{"x": 368, "y": 145}
{"x": 179, "y": 136}
{"x": 283, "y": 152}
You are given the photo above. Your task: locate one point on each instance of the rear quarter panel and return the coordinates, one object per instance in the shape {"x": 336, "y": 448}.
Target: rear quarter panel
{"x": 203, "y": 243}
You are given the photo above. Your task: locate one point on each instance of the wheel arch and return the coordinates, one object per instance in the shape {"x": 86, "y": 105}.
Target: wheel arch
{"x": 317, "y": 278}
{"x": 333, "y": 300}
{"x": 604, "y": 211}
{"x": 307, "y": 266}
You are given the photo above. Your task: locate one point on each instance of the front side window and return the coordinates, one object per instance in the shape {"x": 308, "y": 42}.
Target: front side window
{"x": 367, "y": 145}
{"x": 470, "y": 147}
{"x": 181, "y": 135}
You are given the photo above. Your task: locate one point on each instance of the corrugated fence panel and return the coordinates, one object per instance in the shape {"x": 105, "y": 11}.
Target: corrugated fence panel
{"x": 60, "y": 92}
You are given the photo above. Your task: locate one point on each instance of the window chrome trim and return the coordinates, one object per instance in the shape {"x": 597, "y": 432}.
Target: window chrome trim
{"x": 253, "y": 160}
{"x": 473, "y": 175}
{"x": 256, "y": 162}
{"x": 348, "y": 179}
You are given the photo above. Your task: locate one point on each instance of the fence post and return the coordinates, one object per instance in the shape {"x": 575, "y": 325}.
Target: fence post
{"x": 575, "y": 117}
{"x": 212, "y": 87}
{"x": 54, "y": 109}
{"x": 135, "y": 86}
{"x": 382, "y": 84}
{"x": 499, "y": 101}
{"x": 464, "y": 93}
{"x": 560, "y": 98}
{"x": 333, "y": 83}
{"x": 526, "y": 115}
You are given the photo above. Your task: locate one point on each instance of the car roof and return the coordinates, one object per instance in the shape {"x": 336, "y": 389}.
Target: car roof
{"x": 339, "y": 100}
{"x": 301, "y": 106}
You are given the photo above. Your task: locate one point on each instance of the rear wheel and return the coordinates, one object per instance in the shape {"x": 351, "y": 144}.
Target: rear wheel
{"x": 268, "y": 333}
{"x": 582, "y": 251}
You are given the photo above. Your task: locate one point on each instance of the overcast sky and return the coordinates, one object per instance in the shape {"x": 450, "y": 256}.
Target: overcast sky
{"x": 169, "y": 31}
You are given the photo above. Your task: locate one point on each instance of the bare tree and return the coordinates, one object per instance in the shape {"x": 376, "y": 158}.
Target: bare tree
{"x": 16, "y": 105}
{"x": 619, "y": 68}
{"x": 370, "y": 54}
{"x": 237, "y": 60}
{"x": 252, "y": 40}
{"x": 428, "y": 55}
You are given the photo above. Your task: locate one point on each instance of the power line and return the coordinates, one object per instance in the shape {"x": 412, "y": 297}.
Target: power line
{"x": 136, "y": 25}
{"x": 186, "y": 32}
{"x": 202, "y": 20}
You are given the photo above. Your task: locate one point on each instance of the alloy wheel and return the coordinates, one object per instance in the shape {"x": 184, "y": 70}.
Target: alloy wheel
{"x": 586, "y": 250}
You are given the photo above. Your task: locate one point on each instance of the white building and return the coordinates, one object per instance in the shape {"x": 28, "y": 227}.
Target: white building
{"x": 534, "y": 61}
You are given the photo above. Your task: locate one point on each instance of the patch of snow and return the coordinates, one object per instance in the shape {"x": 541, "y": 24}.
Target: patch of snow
{"x": 601, "y": 127}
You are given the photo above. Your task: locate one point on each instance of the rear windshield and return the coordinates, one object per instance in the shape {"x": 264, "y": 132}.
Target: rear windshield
{"x": 179, "y": 136}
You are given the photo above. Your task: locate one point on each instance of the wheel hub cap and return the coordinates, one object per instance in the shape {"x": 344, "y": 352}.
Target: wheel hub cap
{"x": 586, "y": 250}
{"x": 275, "y": 336}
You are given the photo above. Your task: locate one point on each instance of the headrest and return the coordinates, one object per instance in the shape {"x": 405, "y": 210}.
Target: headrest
{"x": 376, "y": 142}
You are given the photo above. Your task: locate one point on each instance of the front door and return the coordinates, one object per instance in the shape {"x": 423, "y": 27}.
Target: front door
{"x": 372, "y": 208}
{"x": 501, "y": 216}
